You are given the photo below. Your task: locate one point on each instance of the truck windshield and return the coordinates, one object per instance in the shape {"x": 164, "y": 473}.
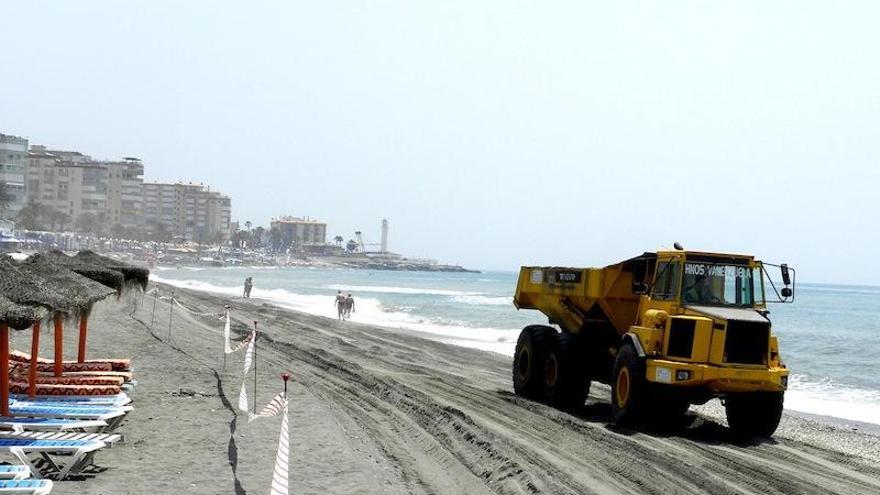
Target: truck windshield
{"x": 720, "y": 284}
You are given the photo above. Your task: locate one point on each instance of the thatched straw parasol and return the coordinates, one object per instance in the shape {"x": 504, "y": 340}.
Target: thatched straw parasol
{"x": 80, "y": 289}
{"x": 133, "y": 274}
{"x": 106, "y": 276}
{"x": 83, "y": 291}
{"x": 19, "y": 316}
{"x": 24, "y": 288}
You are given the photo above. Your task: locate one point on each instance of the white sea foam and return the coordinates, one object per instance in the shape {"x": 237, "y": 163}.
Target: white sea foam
{"x": 400, "y": 290}
{"x": 828, "y": 398}
{"x": 484, "y": 300}
{"x": 367, "y": 310}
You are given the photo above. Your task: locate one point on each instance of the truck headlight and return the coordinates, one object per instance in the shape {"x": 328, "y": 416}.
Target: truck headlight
{"x": 682, "y": 375}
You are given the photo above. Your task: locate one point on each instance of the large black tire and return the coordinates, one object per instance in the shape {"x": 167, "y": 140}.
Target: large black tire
{"x": 566, "y": 383}
{"x": 530, "y": 360}
{"x": 629, "y": 388}
{"x": 755, "y": 414}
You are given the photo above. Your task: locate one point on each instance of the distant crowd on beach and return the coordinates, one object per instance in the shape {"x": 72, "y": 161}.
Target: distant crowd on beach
{"x": 344, "y": 305}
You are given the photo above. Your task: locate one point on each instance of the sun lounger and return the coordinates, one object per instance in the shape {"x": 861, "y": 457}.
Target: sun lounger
{"x": 115, "y": 364}
{"x": 118, "y": 400}
{"x": 19, "y": 374}
{"x": 25, "y": 487}
{"x": 80, "y": 452}
{"x": 108, "y": 439}
{"x": 51, "y": 424}
{"x": 126, "y": 375}
{"x": 14, "y": 472}
{"x": 43, "y": 389}
{"x": 112, "y": 415}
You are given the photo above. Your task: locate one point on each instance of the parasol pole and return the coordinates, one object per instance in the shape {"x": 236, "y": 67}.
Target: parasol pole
{"x": 4, "y": 369}
{"x": 35, "y": 353}
{"x": 83, "y": 331}
{"x": 59, "y": 345}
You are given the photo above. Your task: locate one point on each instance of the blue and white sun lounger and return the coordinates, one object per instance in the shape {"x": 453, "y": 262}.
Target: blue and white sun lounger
{"x": 80, "y": 452}
{"x": 112, "y": 415}
{"x": 108, "y": 439}
{"x": 14, "y": 472}
{"x": 118, "y": 400}
{"x": 50, "y": 424}
{"x": 25, "y": 487}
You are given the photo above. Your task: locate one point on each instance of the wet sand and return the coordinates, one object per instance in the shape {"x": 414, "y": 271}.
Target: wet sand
{"x": 386, "y": 411}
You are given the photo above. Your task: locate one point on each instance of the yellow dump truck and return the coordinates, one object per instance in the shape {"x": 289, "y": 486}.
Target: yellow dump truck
{"x": 665, "y": 329}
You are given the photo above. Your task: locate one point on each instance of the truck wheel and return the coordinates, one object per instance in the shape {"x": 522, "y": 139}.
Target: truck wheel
{"x": 530, "y": 360}
{"x": 755, "y": 414}
{"x": 566, "y": 383}
{"x": 628, "y": 386}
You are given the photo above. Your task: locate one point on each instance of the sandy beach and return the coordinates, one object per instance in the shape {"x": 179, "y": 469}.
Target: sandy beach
{"x": 386, "y": 411}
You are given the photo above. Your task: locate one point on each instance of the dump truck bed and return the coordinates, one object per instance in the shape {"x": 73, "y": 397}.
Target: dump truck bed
{"x": 576, "y": 298}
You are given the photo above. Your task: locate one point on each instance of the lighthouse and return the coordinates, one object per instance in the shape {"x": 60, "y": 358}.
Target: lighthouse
{"x": 384, "y": 245}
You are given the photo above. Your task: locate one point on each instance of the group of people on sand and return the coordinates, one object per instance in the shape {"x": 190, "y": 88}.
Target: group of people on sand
{"x": 344, "y": 305}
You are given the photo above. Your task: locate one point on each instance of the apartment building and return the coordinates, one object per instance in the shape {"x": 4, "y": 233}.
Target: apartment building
{"x": 75, "y": 184}
{"x": 187, "y": 211}
{"x": 67, "y": 181}
{"x": 300, "y": 232}
{"x": 13, "y": 159}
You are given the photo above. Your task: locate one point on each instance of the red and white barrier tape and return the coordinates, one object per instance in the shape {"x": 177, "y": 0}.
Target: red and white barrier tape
{"x": 280, "y": 474}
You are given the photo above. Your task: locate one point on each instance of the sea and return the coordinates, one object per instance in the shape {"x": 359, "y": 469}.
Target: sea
{"x": 829, "y": 336}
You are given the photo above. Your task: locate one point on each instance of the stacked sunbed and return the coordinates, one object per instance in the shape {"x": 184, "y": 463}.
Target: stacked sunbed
{"x": 55, "y": 415}
{"x": 58, "y": 435}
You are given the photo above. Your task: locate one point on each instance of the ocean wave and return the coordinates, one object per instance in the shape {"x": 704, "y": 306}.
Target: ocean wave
{"x": 367, "y": 310}
{"x": 400, "y": 290}
{"x": 484, "y": 300}
{"x": 827, "y": 397}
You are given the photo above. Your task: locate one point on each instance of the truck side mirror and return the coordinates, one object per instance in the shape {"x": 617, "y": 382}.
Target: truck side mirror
{"x": 786, "y": 279}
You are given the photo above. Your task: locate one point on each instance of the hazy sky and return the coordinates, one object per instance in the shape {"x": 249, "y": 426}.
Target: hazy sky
{"x": 491, "y": 134}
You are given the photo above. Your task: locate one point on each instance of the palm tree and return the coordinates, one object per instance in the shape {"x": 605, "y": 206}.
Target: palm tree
{"x": 351, "y": 246}
{"x": 339, "y": 240}
{"x": 247, "y": 225}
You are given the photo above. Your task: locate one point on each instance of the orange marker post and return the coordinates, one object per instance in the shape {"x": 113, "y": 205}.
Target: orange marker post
{"x": 59, "y": 345}
{"x": 35, "y": 352}
{"x": 4, "y": 370}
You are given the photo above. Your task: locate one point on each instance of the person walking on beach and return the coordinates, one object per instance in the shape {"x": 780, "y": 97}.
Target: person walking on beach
{"x": 349, "y": 305}
{"x": 340, "y": 304}
{"x": 248, "y": 285}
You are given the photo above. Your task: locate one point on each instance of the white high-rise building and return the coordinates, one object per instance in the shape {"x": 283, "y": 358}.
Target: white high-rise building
{"x": 13, "y": 159}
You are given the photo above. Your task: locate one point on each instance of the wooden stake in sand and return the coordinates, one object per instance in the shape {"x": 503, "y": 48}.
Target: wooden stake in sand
{"x": 35, "y": 352}
{"x": 153, "y": 318}
{"x": 255, "y": 366}
{"x": 170, "y": 315}
{"x": 4, "y": 370}
{"x": 59, "y": 345}
{"x": 83, "y": 331}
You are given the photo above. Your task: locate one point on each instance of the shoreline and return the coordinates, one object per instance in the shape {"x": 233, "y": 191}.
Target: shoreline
{"x": 827, "y": 420}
